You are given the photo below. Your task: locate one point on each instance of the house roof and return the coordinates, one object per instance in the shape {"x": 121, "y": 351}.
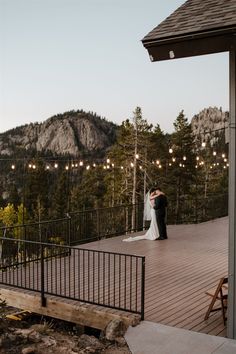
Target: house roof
{"x": 193, "y": 20}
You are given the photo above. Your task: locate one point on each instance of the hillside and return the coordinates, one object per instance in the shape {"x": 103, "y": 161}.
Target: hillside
{"x": 209, "y": 123}
{"x": 74, "y": 133}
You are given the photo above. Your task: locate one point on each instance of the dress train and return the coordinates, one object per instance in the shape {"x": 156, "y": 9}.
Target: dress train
{"x": 151, "y": 234}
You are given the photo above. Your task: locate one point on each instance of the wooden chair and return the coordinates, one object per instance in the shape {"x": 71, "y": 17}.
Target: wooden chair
{"x": 220, "y": 294}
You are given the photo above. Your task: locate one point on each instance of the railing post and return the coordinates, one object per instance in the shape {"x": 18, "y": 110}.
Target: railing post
{"x": 69, "y": 228}
{"x": 43, "y": 299}
{"x": 143, "y": 288}
{"x": 98, "y": 225}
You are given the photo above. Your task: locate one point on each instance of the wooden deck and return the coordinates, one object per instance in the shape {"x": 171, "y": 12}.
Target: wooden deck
{"x": 179, "y": 271}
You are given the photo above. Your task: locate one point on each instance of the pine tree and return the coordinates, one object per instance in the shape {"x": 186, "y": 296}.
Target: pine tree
{"x": 183, "y": 172}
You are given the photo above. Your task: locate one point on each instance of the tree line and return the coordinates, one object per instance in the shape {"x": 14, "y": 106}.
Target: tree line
{"x": 142, "y": 156}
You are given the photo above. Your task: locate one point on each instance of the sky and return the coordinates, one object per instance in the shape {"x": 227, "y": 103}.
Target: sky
{"x": 59, "y": 55}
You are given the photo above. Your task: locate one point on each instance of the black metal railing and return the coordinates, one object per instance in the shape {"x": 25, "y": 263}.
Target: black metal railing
{"x": 108, "y": 279}
{"x": 195, "y": 210}
{"x": 95, "y": 224}
{"x": 89, "y": 225}
{"x": 52, "y": 231}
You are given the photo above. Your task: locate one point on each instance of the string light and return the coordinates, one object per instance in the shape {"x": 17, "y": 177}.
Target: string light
{"x": 108, "y": 166}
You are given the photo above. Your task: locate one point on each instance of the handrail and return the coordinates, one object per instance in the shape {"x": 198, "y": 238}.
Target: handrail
{"x": 110, "y": 279}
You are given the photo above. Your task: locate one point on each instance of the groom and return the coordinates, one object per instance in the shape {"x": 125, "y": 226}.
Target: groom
{"x": 160, "y": 205}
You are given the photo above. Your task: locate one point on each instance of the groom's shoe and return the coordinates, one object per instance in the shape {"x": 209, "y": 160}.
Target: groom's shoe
{"x": 160, "y": 238}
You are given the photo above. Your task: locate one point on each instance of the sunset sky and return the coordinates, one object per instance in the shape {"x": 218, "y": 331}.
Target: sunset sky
{"x": 59, "y": 55}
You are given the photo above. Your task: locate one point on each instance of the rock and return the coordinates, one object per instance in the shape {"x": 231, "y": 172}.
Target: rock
{"x": 90, "y": 343}
{"x": 49, "y": 341}
{"x": 115, "y": 329}
{"x": 68, "y": 133}
{"x": 28, "y": 350}
{"x": 206, "y": 121}
{"x": 120, "y": 341}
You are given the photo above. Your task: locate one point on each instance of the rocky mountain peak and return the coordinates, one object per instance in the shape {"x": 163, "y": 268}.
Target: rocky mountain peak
{"x": 208, "y": 122}
{"x": 73, "y": 133}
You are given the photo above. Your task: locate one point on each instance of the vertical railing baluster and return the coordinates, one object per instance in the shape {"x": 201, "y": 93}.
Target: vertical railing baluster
{"x": 65, "y": 275}
{"x": 131, "y": 279}
{"x": 88, "y": 276}
{"x": 114, "y": 279}
{"x": 99, "y": 277}
{"x": 93, "y": 274}
{"x": 69, "y": 269}
{"x": 119, "y": 277}
{"x": 142, "y": 288}
{"x": 109, "y": 267}
{"x": 43, "y": 299}
{"x": 103, "y": 278}
{"x": 79, "y": 273}
{"x": 125, "y": 282}
{"x": 74, "y": 268}
{"x": 83, "y": 270}
{"x": 136, "y": 283}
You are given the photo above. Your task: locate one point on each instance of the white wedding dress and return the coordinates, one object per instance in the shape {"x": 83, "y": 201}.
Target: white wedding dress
{"x": 149, "y": 214}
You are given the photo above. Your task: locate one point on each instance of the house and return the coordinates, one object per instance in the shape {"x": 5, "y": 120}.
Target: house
{"x": 205, "y": 27}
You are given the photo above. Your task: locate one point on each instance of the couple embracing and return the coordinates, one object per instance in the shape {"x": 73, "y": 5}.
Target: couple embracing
{"x": 155, "y": 210}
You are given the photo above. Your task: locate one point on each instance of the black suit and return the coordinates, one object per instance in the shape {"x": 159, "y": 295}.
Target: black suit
{"x": 160, "y": 204}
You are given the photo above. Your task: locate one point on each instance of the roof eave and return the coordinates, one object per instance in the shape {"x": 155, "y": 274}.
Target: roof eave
{"x": 192, "y": 44}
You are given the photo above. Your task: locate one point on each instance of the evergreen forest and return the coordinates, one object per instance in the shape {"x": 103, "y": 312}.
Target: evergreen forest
{"x": 188, "y": 168}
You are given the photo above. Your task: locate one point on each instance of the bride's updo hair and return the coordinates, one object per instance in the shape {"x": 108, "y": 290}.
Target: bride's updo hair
{"x": 152, "y": 189}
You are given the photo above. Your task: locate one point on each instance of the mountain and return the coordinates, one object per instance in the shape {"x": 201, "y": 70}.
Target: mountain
{"x": 208, "y": 124}
{"x": 75, "y": 133}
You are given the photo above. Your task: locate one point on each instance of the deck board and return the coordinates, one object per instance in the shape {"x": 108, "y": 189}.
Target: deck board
{"x": 179, "y": 271}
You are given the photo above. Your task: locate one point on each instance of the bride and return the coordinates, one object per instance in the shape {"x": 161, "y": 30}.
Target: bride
{"x": 149, "y": 214}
